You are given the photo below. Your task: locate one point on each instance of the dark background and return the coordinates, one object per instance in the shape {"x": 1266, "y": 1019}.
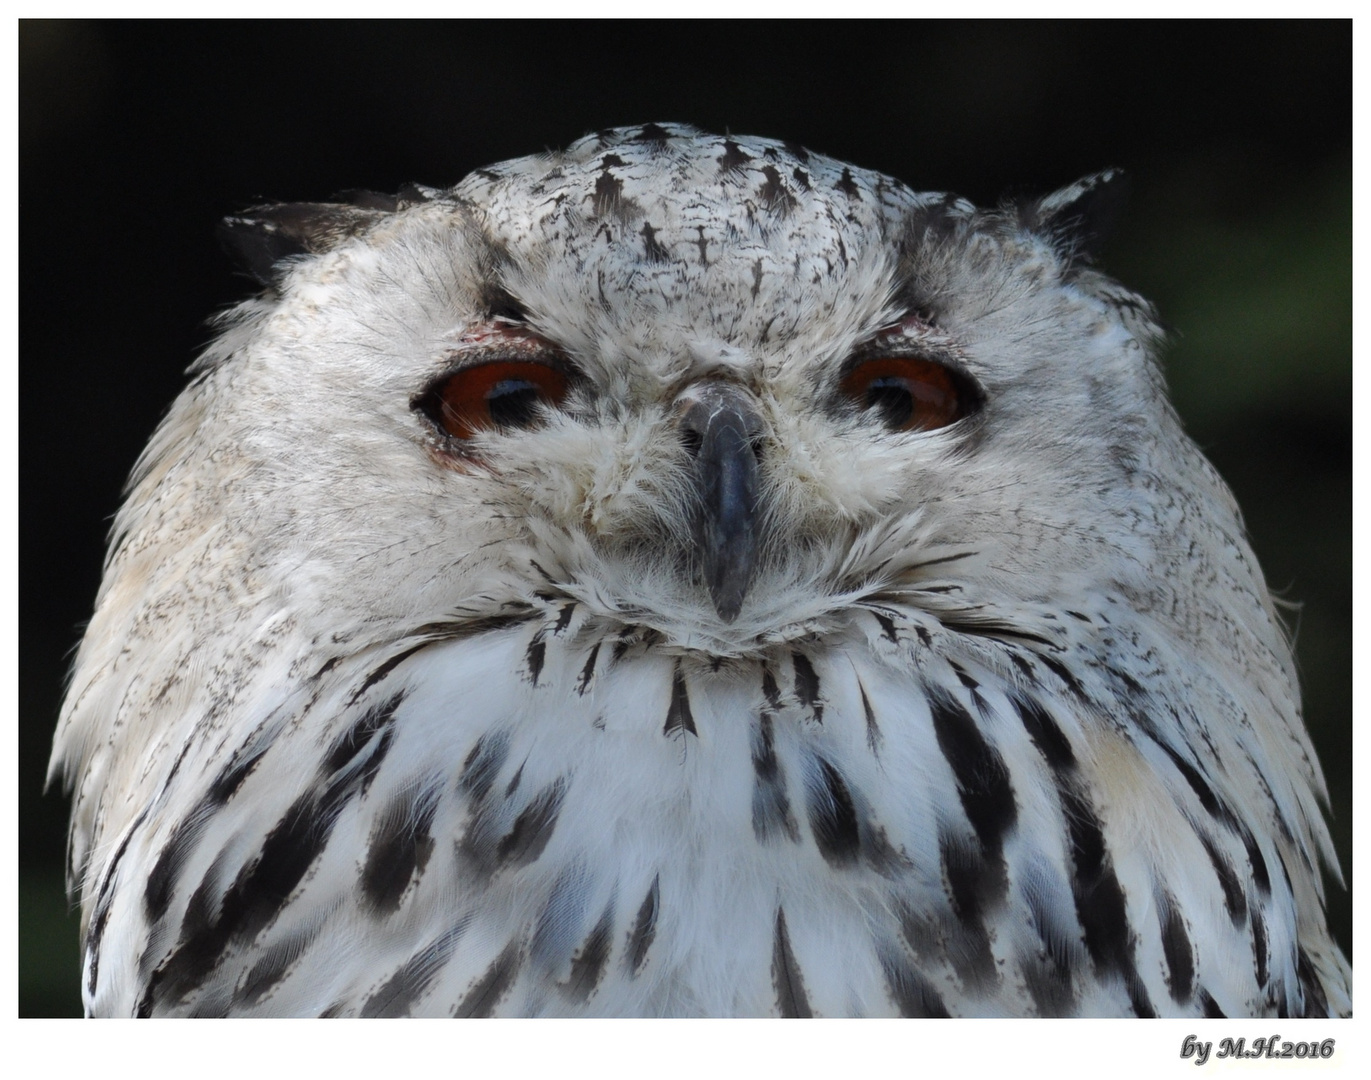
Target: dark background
{"x": 135, "y": 138}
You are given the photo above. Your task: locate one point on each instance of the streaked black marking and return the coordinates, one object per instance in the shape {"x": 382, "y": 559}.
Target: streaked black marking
{"x": 588, "y": 965}
{"x": 483, "y": 998}
{"x": 982, "y": 778}
{"x": 104, "y": 900}
{"x": 482, "y": 765}
{"x": 259, "y": 892}
{"x": 534, "y": 657}
{"x": 609, "y": 193}
{"x": 733, "y": 157}
{"x": 1259, "y": 947}
{"x": 1059, "y": 669}
{"x": 1045, "y": 734}
{"x": 962, "y": 677}
{"x": 1176, "y": 948}
{"x": 533, "y": 827}
{"x": 350, "y": 745}
{"x": 880, "y": 854}
{"x": 171, "y": 859}
{"x": 832, "y": 815}
{"x": 385, "y": 669}
{"x": 1099, "y": 898}
{"x": 653, "y": 251}
{"x": 588, "y": 671}
{"x": 913, "y": 995}
{"x": 459, "y": 629}
{"x": 564, "y": 617}
{"x": 770, "y": 690}
{"x": 274, "y": 964}
{"x": 644, "y": 928}
{"x": 1209, "y": 1006}
{"x": 627, "y": 636}
{"x": 807, "y": 686}
{"x": 654, "y": 134}
{"x": 678, "y": 715}
{"x": 1234, "y": 901}
{"x": 791, "y": 1000}
{"x": 873, "y": 730}
{"x": 1100, "y": 903}
{"x": 1049, "y": 984}
{"x": 771, "y": 813}
{"x": 1197, "y": 783}
{"x": 1254, "y": 856}
{"x": 887, "y": 625}
{"x": 848, "y": 186}
{"x": 264, "y": 885}
{"x": 232, "y": 775}
{"x": 773, "y": 194}
{"x": 398, "y": 994}
{"x": 976, "y": 884}
{"x": 1005, "y": 633}
{"x": 1315, "y": 1001}
{"x": 399, "y": 847}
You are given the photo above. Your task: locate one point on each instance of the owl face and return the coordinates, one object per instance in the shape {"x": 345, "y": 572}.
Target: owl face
{"x": 687, "y": 576}
{"x": 721, "y": 387}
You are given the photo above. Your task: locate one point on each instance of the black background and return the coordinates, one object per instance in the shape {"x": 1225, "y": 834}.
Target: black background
{"x": 135, "y": 138}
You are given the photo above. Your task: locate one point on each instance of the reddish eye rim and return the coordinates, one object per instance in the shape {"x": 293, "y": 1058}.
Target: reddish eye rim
{"x": 460, "y": 404}
{"x": 936, "y": 396}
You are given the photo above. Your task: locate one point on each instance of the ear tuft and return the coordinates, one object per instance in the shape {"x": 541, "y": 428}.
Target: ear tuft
{"x": 1080, "y": 217}
{"x": 260, "y": 238}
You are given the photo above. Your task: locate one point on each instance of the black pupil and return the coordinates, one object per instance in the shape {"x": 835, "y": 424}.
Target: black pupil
{"x": 891, "y": 395}
{"x": 512, "y": 402}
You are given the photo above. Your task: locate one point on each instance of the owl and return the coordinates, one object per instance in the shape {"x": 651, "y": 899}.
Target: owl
{"x": 688, "y": 576}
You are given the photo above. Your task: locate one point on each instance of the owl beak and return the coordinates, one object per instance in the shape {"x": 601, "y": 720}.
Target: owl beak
{"x": 720, "y": 425}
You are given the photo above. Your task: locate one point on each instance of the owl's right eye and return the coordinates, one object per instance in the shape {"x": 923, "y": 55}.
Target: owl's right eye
{"x": 499, "y": 394}
{"x": 910, "y": 393}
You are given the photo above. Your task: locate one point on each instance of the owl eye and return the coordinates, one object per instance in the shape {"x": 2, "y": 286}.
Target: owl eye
{"x": 499, "y": 394}
{"x": 908, "y": 392}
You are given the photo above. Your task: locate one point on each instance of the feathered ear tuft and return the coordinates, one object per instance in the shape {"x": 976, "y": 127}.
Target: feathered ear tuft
{"x": 1080, "y": 216}
{"x": 258, "y": 239}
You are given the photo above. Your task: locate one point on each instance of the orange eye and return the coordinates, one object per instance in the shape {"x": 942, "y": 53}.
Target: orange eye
{"x": 910, "y": 393}
{"x": 499, "y": 394}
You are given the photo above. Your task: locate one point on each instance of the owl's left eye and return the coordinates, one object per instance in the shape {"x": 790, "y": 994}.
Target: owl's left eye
{"x": 909, "y": 393}
{"x": 499, "y": 394}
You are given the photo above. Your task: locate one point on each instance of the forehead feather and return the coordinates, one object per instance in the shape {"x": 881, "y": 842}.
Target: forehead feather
{"x": 739, "y": 238}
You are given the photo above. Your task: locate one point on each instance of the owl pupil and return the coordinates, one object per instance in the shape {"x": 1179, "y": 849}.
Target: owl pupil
{"x": 512, "y": 402}
{"x": 892, "y": 397}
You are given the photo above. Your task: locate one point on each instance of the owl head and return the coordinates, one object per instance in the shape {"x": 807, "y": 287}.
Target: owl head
{"x": 716, "y": 386}
{"x": 729, "y": 408}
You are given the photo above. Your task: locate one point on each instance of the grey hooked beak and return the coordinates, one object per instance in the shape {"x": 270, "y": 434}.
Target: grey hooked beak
{"x": 720, "y": 423}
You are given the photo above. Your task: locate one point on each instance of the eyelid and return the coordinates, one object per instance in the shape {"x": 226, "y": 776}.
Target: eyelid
{"x": 487, "y": 342}
{"x": 491, "y": 344}
{"x": 919, "y": 339}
